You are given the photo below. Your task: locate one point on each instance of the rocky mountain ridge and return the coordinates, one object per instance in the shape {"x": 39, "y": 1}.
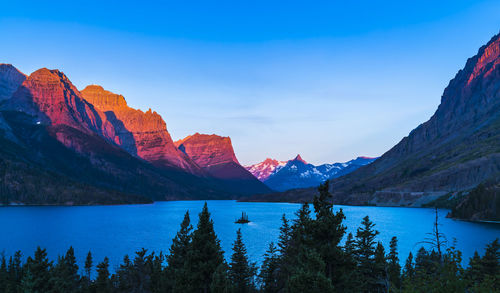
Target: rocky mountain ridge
{"x": 142, "y": 134}
{"x": 63, "y": 146}
{"x": 457, "y": 149}
{"x": 297, "y": 173}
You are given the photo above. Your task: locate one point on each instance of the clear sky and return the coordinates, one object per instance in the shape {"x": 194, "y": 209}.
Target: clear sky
{"x": 330, "y": 80}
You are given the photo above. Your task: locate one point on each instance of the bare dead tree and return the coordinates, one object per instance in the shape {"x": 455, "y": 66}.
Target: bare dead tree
{"x": 436, "y": 240}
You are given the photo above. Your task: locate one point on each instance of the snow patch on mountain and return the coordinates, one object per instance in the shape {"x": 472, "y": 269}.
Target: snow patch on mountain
{"x": 297, "y": 173}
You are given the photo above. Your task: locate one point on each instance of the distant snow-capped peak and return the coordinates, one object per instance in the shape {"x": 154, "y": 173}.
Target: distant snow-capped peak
{"x": 265, "y": 168}
{"x": 297, "y": 173}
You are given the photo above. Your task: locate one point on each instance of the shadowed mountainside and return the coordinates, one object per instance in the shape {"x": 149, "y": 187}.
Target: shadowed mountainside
{"x": 457, "y": 149}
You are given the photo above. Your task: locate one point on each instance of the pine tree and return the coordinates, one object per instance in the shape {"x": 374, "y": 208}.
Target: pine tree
{"x": 141, "y": 275}
{"x": 102, "y": 283}
{"x": 350, "y": 278}
{"x": 28, "y": 284}
{"x": 308, "y": 275}
{"x": 349, "y": 246}
{"x": 15, "y": 272}
{"x": 220, "y": 280}
{"x": 394, "y": 268}
{"x": 39, "y": 268}
{"x": 474, "y": 272}
{"x": 86, "y": 280}
{"x": 328, "y": 231}
{"x": 380, "y": 274}
{"x": 155, "y": 264}
{"x": 301, "y": 231}
{"x": 365, "y": 253}
{"x": 285, "y": 257}
{"x": 65, "y": 275}
{"x": 4, "y": 275}
{"x": 268, "y": 276}
{"x": 424, "y": 262}
{"x": 125, "y": 276}
{"x": 491, "y": 260}
{"x": 204, "y": 255}
{"x": 285, "y": 235}
{"x": 241, "y": 271}
{"x": 178, "y": 251}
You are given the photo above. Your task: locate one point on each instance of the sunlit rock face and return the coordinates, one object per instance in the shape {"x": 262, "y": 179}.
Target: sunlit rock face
{"x": 52, "y": 99}
{"x": 215, "y": 154}
{"x": 10, "y": 80}
{"x": 208, "y": 150}
{"x": 143, "y": 134}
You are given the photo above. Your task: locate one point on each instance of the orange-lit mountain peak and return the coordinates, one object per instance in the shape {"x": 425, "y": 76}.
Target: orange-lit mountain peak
{"x": 143, "y": 134}
{"x": 208, "y": 150}
{"x": 299, "y": 158}
{"x": 486, "y": 60}
{"x": 103, "y": 99}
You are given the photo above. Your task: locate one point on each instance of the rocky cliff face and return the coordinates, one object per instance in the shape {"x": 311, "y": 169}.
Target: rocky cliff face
{"x": 458, "y": 148}
{"x": 208, "y": 150}
{"x": 10, "y": 80}
{"x": 215, "y": 154}
{"x": 143, "y": 134}
{"x": 51, "y": 98}
{"x": 57, "y": 148}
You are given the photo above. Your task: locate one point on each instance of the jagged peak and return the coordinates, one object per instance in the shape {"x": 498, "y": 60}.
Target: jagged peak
{"x": 299, "y": 158}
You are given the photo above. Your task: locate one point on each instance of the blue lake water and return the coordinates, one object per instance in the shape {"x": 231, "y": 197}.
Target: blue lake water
{"x": 114, "y": 231}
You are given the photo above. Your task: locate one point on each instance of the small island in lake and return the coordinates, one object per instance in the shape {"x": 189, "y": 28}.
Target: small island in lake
{"x": 243, "y": 219}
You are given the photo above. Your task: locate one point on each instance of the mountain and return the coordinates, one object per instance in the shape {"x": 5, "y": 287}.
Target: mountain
{"x": 457, "y": 149}
{"x": 265, "y": 168}
{"x": 297, "y": 173}
{"x": 57, "y": 148}
{"x": 216, "y": 156}
{"x": 50, "y": 97}
{"x": 10, "y": 80}
{"x": 141, "y": 134}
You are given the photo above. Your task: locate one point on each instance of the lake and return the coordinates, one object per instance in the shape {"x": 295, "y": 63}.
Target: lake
{"x": 114, "y": 231}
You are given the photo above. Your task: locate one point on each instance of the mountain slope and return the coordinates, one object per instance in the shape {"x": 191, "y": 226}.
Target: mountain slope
{"x": 142, "y": 134}
{"x": 10, "y": 80}
{"x": 50, "y": 96}
{"x": 56, "y": 145}
{"x": 297, "y": 173}
{"x": 215, "y": 155}
{"x": 457, "y": 149}
{"x": 265, "y": 168}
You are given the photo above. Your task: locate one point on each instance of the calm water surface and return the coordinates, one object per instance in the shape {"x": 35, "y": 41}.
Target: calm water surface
{"x": 114, "y": 231}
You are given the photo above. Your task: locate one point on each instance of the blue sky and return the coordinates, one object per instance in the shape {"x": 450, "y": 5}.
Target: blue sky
{"x": 329, "y": 80}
